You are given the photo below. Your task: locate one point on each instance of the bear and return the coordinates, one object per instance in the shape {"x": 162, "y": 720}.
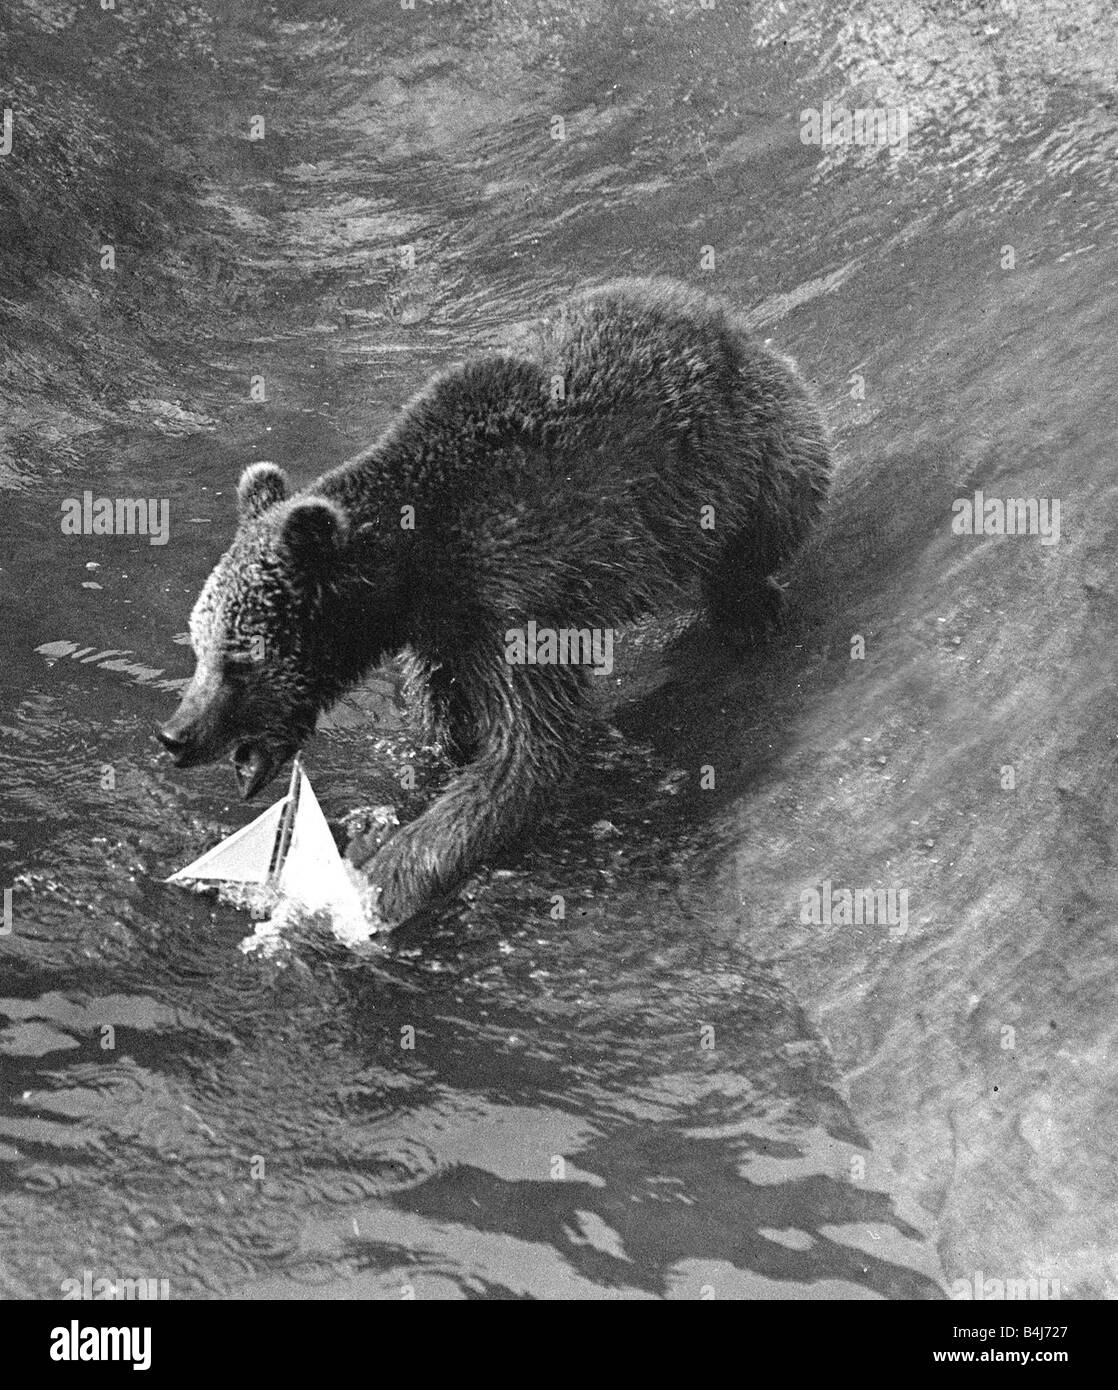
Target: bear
{"x": 643, "y": 445}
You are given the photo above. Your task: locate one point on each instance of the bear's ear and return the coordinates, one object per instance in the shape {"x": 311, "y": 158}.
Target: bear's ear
{"x": 313, "y": 530}
{"x": 262, "y": 485}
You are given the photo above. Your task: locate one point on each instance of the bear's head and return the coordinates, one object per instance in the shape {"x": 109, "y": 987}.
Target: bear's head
{"x": 261, "y": 631}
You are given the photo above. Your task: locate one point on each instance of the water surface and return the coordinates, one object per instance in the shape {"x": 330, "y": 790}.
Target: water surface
{"x": 678, "y": 1090}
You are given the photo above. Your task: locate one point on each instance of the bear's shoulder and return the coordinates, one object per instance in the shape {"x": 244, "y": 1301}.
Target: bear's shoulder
{"x": 453, "y": 432}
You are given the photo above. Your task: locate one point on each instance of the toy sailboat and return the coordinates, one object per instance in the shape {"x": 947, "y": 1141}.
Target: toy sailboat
{"x": 288, "y": 852}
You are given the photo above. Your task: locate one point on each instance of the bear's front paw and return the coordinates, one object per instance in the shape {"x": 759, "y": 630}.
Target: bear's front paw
{"x": 400, "y": 869}
{"x": 367, "y": 829}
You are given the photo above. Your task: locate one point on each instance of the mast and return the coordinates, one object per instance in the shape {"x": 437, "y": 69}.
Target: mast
{"x": 287, "y": 823}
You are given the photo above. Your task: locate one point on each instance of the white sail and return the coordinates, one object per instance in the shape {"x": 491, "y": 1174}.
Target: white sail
{"x": 312, "y": 872}
{"x": 245, "y": 857}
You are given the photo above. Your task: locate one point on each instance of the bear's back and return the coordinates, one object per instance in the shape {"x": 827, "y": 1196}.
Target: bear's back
{"x": 640, "y": 403}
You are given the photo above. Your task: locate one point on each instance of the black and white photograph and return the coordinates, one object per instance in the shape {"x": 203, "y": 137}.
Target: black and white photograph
{"x": 560, "y": 615}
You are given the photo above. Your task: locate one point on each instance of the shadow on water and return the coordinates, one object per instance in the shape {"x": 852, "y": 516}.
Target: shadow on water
{"x": 617, "y": 1063}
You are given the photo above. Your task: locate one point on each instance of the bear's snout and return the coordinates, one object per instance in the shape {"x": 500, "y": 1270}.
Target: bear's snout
{"x": 185, "y": 746}
{"x": 173, "y": 741}
{"x": 204, "y": 726}
{"x": 203, "y": 731}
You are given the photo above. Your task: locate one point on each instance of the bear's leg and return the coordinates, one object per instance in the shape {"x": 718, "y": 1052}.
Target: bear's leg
{"x": 530, "y": 718}
{"x": 436, "y": 707}
{"x": 740, "y": 591}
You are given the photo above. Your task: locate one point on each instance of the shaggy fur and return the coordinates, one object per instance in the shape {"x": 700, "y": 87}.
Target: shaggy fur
{"x": 577, "y": 509}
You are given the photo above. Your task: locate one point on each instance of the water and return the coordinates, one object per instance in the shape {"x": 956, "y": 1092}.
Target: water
{"x": 678, "y": 1089}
